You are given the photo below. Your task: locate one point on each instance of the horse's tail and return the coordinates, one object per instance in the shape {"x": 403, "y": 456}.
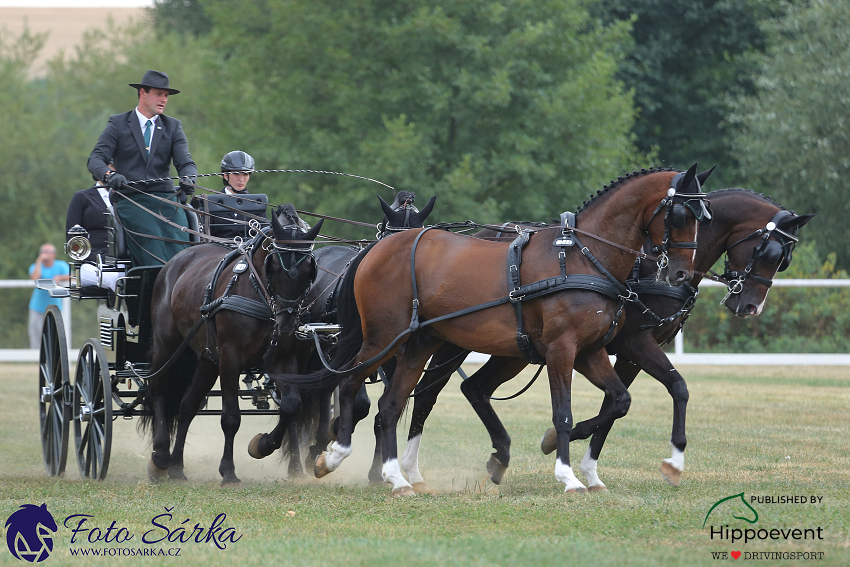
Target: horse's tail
{"x": 351, "y": 336}
{"x": 177, "y": 380}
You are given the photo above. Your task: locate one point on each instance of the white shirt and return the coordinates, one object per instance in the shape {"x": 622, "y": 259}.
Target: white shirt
{"x": 143, "y": 120}
{"x": 104, "y": 194}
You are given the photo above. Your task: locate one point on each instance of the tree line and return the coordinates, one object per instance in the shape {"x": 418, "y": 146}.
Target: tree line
{"x": 509, "y": 110}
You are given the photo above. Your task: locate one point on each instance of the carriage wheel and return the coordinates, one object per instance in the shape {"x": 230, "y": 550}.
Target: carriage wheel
{"x": 92, "y": 411}
{"x": 54, "y": 389}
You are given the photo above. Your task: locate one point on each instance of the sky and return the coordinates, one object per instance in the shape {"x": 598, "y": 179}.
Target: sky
{"x": 75, "y": 3}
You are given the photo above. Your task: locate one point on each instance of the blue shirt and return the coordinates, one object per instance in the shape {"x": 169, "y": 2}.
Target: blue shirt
{"x": 41, "y": 299}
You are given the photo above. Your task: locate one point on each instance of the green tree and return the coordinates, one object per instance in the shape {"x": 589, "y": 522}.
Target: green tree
{"x": 505, "y": 110}
{"x": 687, "y": 56}
{"x": 792, "y": 136}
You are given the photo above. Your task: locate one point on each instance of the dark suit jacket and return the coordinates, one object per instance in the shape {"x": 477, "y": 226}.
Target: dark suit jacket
{"x": 88, "y": 210}
{"x": 123, "y": 143}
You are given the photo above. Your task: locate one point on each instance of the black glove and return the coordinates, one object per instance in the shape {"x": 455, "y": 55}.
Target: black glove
{"x": 116, "y": 181}
{"x": 187, "y": 184}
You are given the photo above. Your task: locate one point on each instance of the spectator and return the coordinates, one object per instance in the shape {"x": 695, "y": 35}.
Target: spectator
{"x": 46, "y": 266}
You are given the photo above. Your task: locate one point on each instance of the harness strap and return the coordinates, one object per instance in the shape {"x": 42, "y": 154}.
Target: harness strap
{"x": 526, "y": 346}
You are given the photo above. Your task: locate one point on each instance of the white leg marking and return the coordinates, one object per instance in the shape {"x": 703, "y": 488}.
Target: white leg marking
{"x": 564, "y": 473}
{"x": 410, "y": 460}
{"x": 588, "y": 468}
{"x": 677, "y": 460}
{"x": 392, "y": 474}
{"x": 336, "y": 454}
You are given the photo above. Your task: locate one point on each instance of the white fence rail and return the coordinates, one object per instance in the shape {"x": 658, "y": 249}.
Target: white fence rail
{"x": 679, "y": 357}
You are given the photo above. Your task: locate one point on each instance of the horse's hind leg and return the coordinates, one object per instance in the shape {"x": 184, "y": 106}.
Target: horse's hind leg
{"x": 202, "y": 383}
{"x": 478, "y": 389}
{"x": 231, "y": 416}
{"x": 425, "y": 396}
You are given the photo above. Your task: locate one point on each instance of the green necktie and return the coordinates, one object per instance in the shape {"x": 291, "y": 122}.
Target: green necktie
{"x": 148, "y": 132}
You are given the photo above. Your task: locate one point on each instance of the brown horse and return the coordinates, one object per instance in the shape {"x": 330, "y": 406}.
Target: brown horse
{"x": 255, "y": 323}
{"x": 439, "y": 296}
{"x": 755, "y": 253}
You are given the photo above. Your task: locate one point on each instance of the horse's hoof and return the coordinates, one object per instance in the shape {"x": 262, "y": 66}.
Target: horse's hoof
{"x": 231, "y": 482}
{"x": 404, "y": 491}
{"x": 597, "y": 488}
{"x": 496, "y": 469}
{"x": 155, "y": 473}
{"x": 254, "y": 447}
{"x": 321, "y": 469}
{"x": 579, "y": 490}
{"x": 550, "y": 441}
{"x": 671, "y": 474}
{"x": 177, "y": 476}
{"x": 375, "y": 478}
{"x": 421, "y": 488}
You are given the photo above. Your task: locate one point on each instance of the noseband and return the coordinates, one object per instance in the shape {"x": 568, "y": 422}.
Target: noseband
{"x": 765, "y": 251}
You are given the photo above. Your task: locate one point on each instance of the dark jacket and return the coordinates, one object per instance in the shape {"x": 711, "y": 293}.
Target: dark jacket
{"x": 122, "y": 143}
{"x": 88, "y": 210}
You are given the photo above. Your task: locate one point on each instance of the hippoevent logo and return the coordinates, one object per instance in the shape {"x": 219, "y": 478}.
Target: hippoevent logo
{"x": 29, "y": 533}
{"x": 741, "y": 534}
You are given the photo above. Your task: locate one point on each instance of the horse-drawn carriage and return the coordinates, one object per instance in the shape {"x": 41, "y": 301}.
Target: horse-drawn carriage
{"x": 657, "y": 209}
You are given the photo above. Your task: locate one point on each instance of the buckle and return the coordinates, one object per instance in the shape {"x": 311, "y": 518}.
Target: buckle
{"x": 512, "y": 295}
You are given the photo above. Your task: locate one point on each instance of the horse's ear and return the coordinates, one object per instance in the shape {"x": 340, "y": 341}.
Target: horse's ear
{"x": 313, "y": 232}
{"x": 277, "y": 229}
{"x": 703, "y": 177}
{"x": 426, "y": 210}
{"x": 385, "y": 207}
{"x": 797, "y": 221}
{"x": 686, "y": 183}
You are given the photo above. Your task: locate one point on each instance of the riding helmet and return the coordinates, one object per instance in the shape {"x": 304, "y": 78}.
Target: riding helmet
{"x": 237, "y": 161}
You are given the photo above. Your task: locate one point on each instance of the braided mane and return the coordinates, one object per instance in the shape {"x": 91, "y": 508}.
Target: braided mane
{"x": 751, "y": 192}
{"x": 616, "y": 183}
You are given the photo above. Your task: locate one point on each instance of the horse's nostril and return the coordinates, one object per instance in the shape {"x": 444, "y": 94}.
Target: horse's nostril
{"x": 681, "y": 275}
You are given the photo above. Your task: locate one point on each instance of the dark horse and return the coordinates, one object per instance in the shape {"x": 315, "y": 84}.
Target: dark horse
{"x": 758, "y": 237}
{"x": 309, "y": 417}
{"x": 436, "y": 297}
{"x": 262, "y": 288}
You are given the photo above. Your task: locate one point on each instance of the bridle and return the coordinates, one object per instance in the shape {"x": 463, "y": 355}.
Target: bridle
{"x": 675, "y": 217}
{"x": 385, "y": 229}
{"x": 297, "y": 254}
{"x": 769, "y": 251}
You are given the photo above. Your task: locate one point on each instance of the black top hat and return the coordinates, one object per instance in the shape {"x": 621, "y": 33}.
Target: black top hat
{"x": 155, "y": 80}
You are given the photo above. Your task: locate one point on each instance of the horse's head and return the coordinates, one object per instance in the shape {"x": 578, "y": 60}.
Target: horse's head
{"x": 674, "y": 225}
{"x": 402, "y": 215}
{"x": 290, "y": 266}
{"x": 756, "y": 249}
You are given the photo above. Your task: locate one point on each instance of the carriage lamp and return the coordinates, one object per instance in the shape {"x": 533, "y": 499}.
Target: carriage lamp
{"x": 78, "y": 246}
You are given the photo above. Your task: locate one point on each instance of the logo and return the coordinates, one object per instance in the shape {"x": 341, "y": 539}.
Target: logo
{"x": 722, "y": 500}
{"x": 30, "y": 532}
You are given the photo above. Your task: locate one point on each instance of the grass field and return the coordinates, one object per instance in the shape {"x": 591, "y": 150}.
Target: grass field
{"x": 761, "y": 431}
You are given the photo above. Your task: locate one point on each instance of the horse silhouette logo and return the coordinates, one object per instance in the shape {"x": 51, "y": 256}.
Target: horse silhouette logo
{"x": 29, "y": 533}
{"x": 733, "y": 497}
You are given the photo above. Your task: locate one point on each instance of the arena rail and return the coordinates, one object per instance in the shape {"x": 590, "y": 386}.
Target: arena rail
{"x": 679, "y": 357}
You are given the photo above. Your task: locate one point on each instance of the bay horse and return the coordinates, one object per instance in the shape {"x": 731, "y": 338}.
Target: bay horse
{"x": 307, "y": 416}
{"x": 250, "y": 314}
{"x": 757, "y": 235}
{"x": 454, "y": 290}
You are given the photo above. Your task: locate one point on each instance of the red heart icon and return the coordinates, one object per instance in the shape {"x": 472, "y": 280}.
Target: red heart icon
{"x": 735, "y": 554}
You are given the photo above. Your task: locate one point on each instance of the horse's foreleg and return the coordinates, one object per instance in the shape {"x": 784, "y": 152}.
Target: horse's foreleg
{"x": 202, "y": 383}
{"x": 408, "y": 370}
{"x": 231, "y": 416}
{"x": 425, "y": 396}
{"x": 478, "y": 389}
{"x": 322, "y": 435}
{"x": 264, "y": 444}
{"x": 651, "y": 358}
